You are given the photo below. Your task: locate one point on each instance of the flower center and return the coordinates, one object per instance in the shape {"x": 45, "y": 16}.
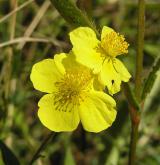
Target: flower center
{"x": 113, "y": 44}
{"x": 72, "y": 89}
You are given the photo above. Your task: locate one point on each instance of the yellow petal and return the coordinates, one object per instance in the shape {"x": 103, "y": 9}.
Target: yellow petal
{"x": 44, "y": 74}
{"x": 122, "y": 70}
{"x": 65, "y": 62}
{"x": 58, "y": 59}
{"x": 108, "y": 111}
{"x": 56, "y": 119}
{"x": 108, "y": 100}
{"x": 97, "y": 85}
{"x": 83, "y": 36}
{"x": 105, "y": 31}
{"x": 84, "y": 43}
{"x": 96, "y": 114}
{"x": 110, "y": 77}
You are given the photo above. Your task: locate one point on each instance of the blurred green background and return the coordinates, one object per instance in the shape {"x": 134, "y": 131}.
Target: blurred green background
{"x": 36, "y": 32}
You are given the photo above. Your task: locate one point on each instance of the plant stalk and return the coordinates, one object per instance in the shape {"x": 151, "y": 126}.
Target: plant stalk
{"x": 133, "y": 143}
{"x": 140, "y": 46}
{"x": 134, "y": 113}
{"x": 10, "y": 82}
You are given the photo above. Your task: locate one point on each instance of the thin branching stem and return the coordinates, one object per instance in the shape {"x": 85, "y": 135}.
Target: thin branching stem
{"x": 30, "y": 39}
{"x": 16, "y": 10}
{"x": 41, "y": 147}
{"x": 35, "y": 21}
{"x": 10, "y": 83}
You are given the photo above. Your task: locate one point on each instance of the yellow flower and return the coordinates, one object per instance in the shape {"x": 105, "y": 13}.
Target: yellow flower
{"x": 101, "y": 55}
{"x": 71, "y": 96}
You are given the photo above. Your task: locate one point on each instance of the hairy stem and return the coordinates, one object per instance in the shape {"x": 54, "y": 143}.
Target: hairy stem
{"x": 133, "y": 143}
{"x": 140, "y": 46}
{"x": 135, "y": 115}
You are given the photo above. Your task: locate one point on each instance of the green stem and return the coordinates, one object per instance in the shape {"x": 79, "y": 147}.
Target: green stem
{"x": 134, "y": 113}
{"x": 135, "y": 119}
{"x": 133, "y": 143}
{"x": 41, "y": 147}
{"x": 140, "y": 46}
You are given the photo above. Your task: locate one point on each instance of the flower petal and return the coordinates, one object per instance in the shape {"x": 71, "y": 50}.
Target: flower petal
{"x": 122, "y": 70}
{"x": 83, "y": 36}
{"x": 110, "y": 77}
{"x": 108, "y": 112}
{"x": 58, "y": 59}
{"x": 56, "y": 119}
{"x": 44, "y": 74}
{"x": 105, "y": 31}
{"x": 97, "y": 85}
{"x": 97, "y": 112}
{"x": 108, "y": 100}
{"x": 65, "y": 62}
{"x": 84, "y": 43}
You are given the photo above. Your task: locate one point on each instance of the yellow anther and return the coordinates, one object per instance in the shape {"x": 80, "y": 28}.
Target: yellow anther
{"x": 72, "y": 88}
{"x": 114, "y": 44}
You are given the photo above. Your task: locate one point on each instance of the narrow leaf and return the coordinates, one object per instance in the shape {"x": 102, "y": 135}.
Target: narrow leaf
{"x": 130, "y": 96}
{"x": 151, "y": 79}
{"x": 72, "y": 14}
{"x": 8, "y": 156}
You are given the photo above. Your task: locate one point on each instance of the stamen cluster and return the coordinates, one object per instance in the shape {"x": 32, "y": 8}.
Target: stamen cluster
{"x": 114, "y": 44}
{"x": 72, "y": 88}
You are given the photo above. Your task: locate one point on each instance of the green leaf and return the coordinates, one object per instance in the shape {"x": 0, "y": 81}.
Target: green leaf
{"x": 130, "y": 96}
{"x": 8, "y": 156}
{"x": 151, "y": 79}
{"x": 72, "y": 14}
{"x": 152, "y": 49}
